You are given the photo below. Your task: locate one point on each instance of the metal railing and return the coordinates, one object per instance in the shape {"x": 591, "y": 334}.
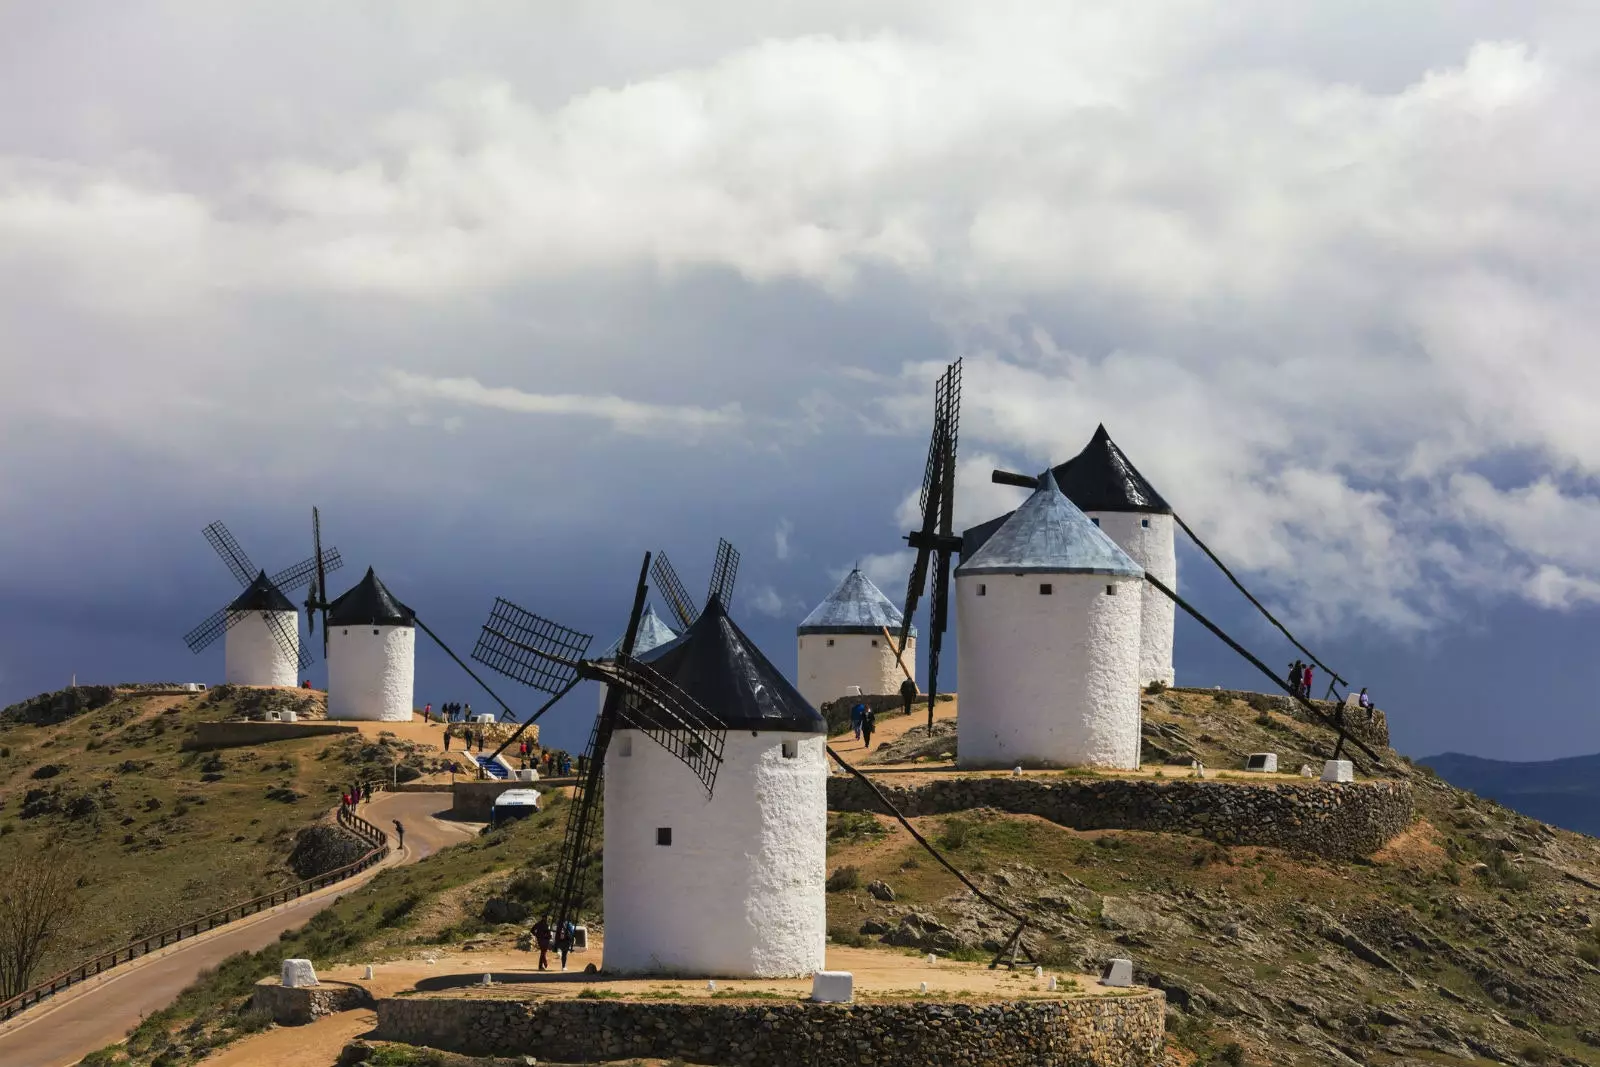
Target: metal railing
{"x": 210, "y": 921}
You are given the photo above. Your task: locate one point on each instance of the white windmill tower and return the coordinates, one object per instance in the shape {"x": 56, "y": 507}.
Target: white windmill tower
{"x": 715, "y": 783}
{"x": 372, "y": 648}
{"x": 262, "y": 647}
{"x": 263, "y": 631}
{"x": 1048, "y": 615}
{"x": 1115, "y": 496}
{"x": 842, "y": 644}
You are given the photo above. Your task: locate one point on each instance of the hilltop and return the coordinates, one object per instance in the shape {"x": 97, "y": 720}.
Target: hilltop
{"x": 162, "y": 835}
{"x": 1470, "y": 937}
{"x": 1562, "y": 792}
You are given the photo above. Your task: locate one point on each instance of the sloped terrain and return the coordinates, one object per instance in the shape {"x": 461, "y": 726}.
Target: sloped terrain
{"x": 1562, "y": 792}
{"x": 161, "y": 835}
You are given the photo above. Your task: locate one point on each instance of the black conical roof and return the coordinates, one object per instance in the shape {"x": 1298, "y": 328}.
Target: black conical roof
{"x": 261, "y": 595}
{"x": 714, "y": 662}
{"x": 1099, "y": 478}
{"x": 369, "y": 603}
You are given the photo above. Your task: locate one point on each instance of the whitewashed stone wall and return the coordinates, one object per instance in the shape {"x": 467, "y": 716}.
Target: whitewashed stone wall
{"x": 739, "y": 892}
{"x": 828, "y": 671}
{"x": 1151, "y": 548}
{"x": 1048, "y": 681}
{"x": 371, "y": 672}
{"x": 253, "y": 655}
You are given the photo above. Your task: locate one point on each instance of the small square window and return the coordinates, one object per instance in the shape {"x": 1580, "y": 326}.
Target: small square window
{"x": 791, "y": 749}
{"x": 1045, "y": 589}
{"x": 344, "y": 633}
{"x": 663, "y": 835}
{"x": 1145, "y": 523}
{"x": 1111, "y": 590}
{"x": 625, "y": 747}
{"x": 983, "y": 590}
{"x": 374, "y": 629}
{"x": 874, "y": 642}
{"x": 830, "y": 642}
{"x": 1095, "y": 521}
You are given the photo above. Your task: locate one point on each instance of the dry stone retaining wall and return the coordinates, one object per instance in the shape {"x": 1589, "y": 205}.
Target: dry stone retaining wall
{"x": 1106, "y": 1031}
{"x": 1341, "y": 821}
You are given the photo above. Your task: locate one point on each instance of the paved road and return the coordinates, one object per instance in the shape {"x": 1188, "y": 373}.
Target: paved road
{"x": 98, "y": 1013}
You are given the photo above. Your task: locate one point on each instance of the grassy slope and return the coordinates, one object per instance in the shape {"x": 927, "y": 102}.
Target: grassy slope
{"x": 1469, "y": 940}
{"x": 160, "y": 845}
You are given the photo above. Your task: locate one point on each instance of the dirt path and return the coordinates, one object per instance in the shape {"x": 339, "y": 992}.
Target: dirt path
{"x": 74, "y": 1023}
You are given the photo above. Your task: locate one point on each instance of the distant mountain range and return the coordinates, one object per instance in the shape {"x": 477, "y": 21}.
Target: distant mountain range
{"x": 1562, "y": 792}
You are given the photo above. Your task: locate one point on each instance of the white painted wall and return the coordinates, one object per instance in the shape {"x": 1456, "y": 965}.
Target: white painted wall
{"x": 739, "y": 892}
{"x": 828, "y": 671}
{"x": 1048, "y": 680}
{"x": 1151, "y": 548}
{"x": 252, "y": 654}
{"x": 371, "y": 670}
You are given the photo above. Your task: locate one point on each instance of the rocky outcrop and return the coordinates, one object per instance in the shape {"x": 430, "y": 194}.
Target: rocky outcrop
{"x": 323, "y": 848}
{"x": 47, "y": 709}
{"x": 1342, "y": 821}
{"x": 1103, "y": 1031}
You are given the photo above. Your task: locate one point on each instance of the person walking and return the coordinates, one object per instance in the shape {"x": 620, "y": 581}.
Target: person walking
{"x": 541, "y": 937}
{"x": 447, "y": 730}
{"x": 869, "y": 722}
{"x": 1305, "y": 682}
{"x": 1295, "y": 669}
{"x": 908, "y": 694}
{"x": 564, "y": 939}
{"x": 858, "y": 711}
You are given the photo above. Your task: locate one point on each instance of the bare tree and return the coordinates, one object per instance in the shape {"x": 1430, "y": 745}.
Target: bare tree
{"x": 39, "y": 897}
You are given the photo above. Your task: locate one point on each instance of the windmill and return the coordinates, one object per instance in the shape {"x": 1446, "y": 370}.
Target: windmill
{"x": 544, "y": 655}
{"x": 290, "y": 578}
{"x": 936, "y": 540}
{"x": 724, "y": 571}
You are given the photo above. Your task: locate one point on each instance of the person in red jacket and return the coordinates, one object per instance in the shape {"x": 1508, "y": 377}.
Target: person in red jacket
{"x": 1305, "y": 682}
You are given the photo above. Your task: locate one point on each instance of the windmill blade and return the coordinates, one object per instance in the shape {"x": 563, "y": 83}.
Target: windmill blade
{"x": 673, "y": 592}
{"x": 318, "y": 596}
{"x": 938, "y": 617}
{"x": 947, "y": 413}
{"x": 288, "y": 640}
{"x": 227, "y": 546}
{"x": 529, "y": 648}
{"x": 654, "y": 705}
{"x": 214, "y": 627}
{"x": 723, "y": 573}
{"x": 307, "y": 570}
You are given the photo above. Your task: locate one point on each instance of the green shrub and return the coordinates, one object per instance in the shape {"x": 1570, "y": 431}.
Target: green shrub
{"x": 954, "y": 834}
{"x": 1231, "y": 1054}
{"x": 844, "y": 879}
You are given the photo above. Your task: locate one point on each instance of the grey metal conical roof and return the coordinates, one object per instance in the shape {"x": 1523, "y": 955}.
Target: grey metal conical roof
{"x": 369, "y": 603}
{"x": 653, "y": 633}
{"x": 856, "y": 606}
{"x": 1049, "y": 534}
{"x": 261, "y": 595}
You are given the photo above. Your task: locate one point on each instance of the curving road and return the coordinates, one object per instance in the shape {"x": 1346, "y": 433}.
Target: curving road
{"x": 100, "y": 1012}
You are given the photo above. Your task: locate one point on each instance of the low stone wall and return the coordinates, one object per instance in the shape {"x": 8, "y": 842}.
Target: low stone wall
{"x": 1339, "y": 821}
{"x": 298, "y": 1006}
{"x": 1104, "y": 1031}
{"x": 209, "y": 735}
{"x": 1369, "y": 727}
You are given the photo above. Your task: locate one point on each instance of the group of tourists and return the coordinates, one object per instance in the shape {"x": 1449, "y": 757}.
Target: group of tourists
{"x": 561, "y": 940}
{"x": 448, "y": 712}
{"x": 357, "y": 792}
{"x": 1300, "y": 679}
{"x": 468, "y": 736}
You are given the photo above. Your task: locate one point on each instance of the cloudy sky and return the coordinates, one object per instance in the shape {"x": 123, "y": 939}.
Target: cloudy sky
{"x": 514, "y": 292}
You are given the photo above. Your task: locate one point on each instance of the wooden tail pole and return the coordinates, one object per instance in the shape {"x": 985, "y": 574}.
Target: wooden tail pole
{"x": 898, "y": 654}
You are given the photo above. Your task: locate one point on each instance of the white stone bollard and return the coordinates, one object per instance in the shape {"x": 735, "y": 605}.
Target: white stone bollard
{"x": 1306, "y": 771}
{"x": 1052, "y": 985}
{"x": 1338, "y": 770}
{"x": 1038, "y": 972}
{"x": 833, "y": 987}
{"x": 1118, "y": 973}
{"x": 368, "y": 973}
{"x": 711, "y": 985}
{"x": 932, "y": 958}
{"x": 924, "y": 987}
{"x": 296, "y": 974}
{"x": 1016, "y": 772}
{"x": 488, "y": 979}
